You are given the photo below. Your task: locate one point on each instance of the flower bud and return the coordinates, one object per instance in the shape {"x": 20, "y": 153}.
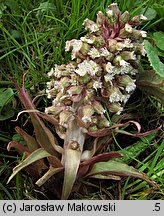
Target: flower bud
{"x": 55, "y": 110}
{"x": 93, "y": 128}
{"x": 94, "y": 53}
{"x": 109, "y": 68}
{"x": 115, "y": 108}
{"x": 108, "y": 77}
{"x": 94, "y": 120}
{"x": 84, "y": 79}
{"x": 136, "y": 20}
{"x": 51, "y": 93}
{"x": 74, "y": 145}
{"x": 126, "y": 31}
{"x": 58, "y": 96}
{"x": 87, "y": 112}
{"x": 90, "y": 39}
{"x": 120, "y": 46}
{"x": 101, "y": 19}
{"x": 127, "y": 55}
{"x": 143, "y": 34}
{"x": 99, "y": 42}
{"x": 112, "y": 45}
{"x": 87, "y": 154}
{"x": 136, "y": 34}
{"x": 51, "y": 73}
{"x": 90, "y": 84}
{"x": 128, "y": 43}
{"x": 77, "y": 47}
{"x": 98, "y": 107}
{"x": 127, "y": 82}
{"x": 64, "y": 82}
{"x": 105, "y": 53}
{"x": 90, "y": 25}
{"x": 139, "y": 49}
{"x": 103, "y": 122}
{"x": 123, "y": 33}
{"x": 119, "y": 61}
{"x": 90, "y": 93}
{"x": 64, "y": 117}
{"x": 113, "y": 7}
{"x": 97, "y": 84}
{"x": 88, "y": 66}
{"x": 124, "y": 18}
{"x": 74, "y": 90}
{"x": 128, "y": 28}
{"x": 62, "y": 98}
{"x": 85, "y": 48}
{"x": 60, "y": 70}
{"x": 70, "y": 67}
{"x": 114, "y": 94}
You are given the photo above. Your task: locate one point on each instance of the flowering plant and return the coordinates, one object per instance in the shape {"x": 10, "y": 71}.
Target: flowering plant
{"x": 86, "y": 93}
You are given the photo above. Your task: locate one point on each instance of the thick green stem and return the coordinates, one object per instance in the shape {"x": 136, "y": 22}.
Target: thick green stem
{"x": 73, "y": 148}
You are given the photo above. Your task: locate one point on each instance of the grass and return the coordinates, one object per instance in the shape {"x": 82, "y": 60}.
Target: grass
{"x": 32, "y": 40}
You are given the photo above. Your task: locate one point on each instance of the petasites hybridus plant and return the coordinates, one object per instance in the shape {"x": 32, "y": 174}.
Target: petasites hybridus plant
{"x": 86, "y": 93}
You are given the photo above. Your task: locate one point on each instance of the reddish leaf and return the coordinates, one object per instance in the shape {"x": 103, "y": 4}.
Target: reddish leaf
{"x": 30, "y": 141}
{"x": 139, "y": 134}
{"x": 54, "y": 161}
{"x": 101, "y": 157}
{"x": 52, "y": 171}
{"x": 118, "y": 169}
{"x": 43, "y": 135}
{"x": 84, "y": 166}
{"x": 99, "y": 133}
{"x": 19, "y": 147}
{"x": 138, "y": 126}
{"x": 49, "y": 118}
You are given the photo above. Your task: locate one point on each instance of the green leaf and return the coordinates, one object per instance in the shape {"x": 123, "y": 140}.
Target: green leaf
{"x": 152, "y": 83}
{"x": 6, "y": 113}
{"x": 5, "y": 96}
{"x": 159, "y": 38}
{"x": 117, "y": 169}
{"x": 160, "y": 13}
{"x": 159, "y": 52}
{"x": 150, "y": 13}
{"x": 35, "y": 156}
{"x": 45, "y": 8}
{"x": 155, "y": 62}
{"x": 14, "y": 6}
{"x": 16, "y": 34}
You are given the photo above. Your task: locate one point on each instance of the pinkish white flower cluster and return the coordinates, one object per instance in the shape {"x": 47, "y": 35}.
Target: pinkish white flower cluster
{"x": 102, "y": 73}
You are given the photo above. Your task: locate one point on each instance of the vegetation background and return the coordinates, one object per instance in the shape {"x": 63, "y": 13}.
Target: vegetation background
{"x": 32, "y": 40}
